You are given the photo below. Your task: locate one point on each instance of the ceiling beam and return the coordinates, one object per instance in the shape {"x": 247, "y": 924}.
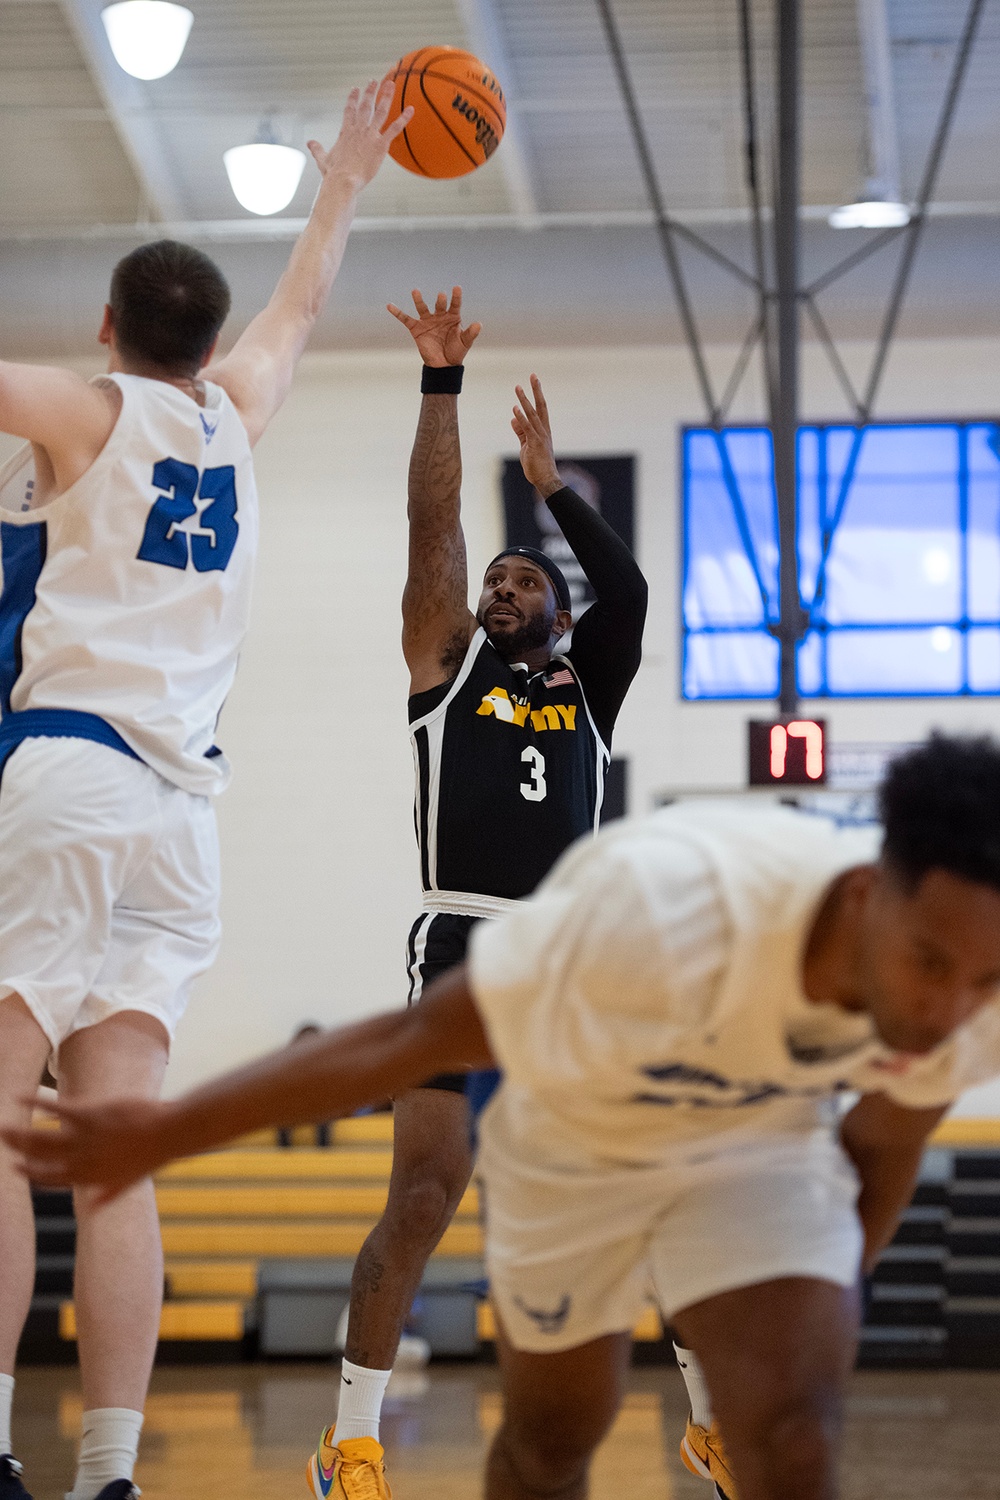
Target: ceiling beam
{"x": 127, "y": 103}
{"x": 883, "y": 132}
{"x": 262, "y": 231}
{"x": 483, "y": 29}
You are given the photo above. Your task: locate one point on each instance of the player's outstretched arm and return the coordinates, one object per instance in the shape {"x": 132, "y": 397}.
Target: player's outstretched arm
{"x": 258, "y": 371}
{"x": 885, "y": 1141}
{"x": 437, "y": 622}
{"x": 607, "y": 641}
{"x": 120, "y": 1142}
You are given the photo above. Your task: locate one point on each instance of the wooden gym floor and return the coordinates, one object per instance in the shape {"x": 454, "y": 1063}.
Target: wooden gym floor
{"x": 244, "y": 1432}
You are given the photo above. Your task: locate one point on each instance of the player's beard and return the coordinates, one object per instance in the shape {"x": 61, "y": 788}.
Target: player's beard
{"x": 512, "y": 645}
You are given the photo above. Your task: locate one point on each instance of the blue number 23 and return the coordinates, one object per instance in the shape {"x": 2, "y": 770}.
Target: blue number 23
{"x": 163, "y": 541}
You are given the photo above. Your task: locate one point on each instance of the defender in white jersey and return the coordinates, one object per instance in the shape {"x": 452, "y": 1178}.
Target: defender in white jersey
{"x": 128, "y": 531}
{"x": 680, "y": 1012}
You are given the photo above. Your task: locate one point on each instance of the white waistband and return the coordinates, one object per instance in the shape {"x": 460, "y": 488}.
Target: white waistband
{"x": 465, "y": 904}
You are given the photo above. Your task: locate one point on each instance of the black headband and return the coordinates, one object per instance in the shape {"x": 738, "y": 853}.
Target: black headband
{"x": 543, "y": 561}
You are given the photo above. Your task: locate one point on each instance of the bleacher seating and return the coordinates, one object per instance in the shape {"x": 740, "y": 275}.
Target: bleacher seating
{"x": 934, "y": 1299}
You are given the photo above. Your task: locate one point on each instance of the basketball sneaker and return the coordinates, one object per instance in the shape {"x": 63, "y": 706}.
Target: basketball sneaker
{"x": 119, "y": 1489}
{"x": 703, "y": 1454}
{"x": 351, "y": 1470}
{"x": 11, "y": 1487}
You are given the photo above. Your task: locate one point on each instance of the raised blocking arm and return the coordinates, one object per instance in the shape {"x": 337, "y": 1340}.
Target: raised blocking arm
{"x": 257, "y": 373}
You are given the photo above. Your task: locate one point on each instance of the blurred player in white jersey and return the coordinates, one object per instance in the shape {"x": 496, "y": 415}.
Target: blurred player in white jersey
{"x": 677, "y": 1011}
{"x": 128, "y": 528}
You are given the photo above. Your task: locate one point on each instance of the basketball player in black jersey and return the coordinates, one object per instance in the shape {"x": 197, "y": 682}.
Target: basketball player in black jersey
{"x": 511, "y": 744}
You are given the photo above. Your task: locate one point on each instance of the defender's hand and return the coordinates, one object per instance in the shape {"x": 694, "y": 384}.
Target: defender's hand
{"x": 363, "y": 142}
{"x": 113, "y": 1144}
{"x": 531, "y": 425}
{"x": 439, "y": 335}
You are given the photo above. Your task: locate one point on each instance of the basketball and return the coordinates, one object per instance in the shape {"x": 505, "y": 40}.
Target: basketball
{"x": 460, "y": 112}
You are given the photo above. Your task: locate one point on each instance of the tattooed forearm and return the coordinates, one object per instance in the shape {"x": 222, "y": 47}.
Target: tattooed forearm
{"x": 436, "y": 587}
{"x": 436, "y": 461}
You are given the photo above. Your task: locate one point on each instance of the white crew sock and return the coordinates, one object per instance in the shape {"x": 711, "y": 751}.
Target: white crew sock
{"x": 694, "y": 1379}
{"x": 6, "y": 1401}
{"x": 360, "y": 1405}
{"x": 108, "y": 1449}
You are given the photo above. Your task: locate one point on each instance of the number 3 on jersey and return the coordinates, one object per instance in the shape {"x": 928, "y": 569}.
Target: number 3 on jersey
{"x": 535, "y": 790}
{"x": 163, "y": 542}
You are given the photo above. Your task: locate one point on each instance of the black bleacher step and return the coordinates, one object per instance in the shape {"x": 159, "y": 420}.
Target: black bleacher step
{"x": 973, "y": 1325}
{"x": 930, "y": 1194}
{"x": 976, "y": 1198}
{"x": 911, "y": 1264}
{"x": 55, "y": 1236}
{"x": 54, "y": 1275}
{"x": 974, "y": 1236}
{"x": 923, "y": 1226}
{"x": 973, "y": 1275}
{"x": 976, "y": 1164}
{"x": 886, "y": 1346}
{"x": 52, "y": 1203}
{"x": 902, "y": 1305}
{"x": 40, "y": 1341}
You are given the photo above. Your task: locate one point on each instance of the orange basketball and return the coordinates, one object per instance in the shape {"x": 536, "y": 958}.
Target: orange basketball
{"x": 460, "y": 112}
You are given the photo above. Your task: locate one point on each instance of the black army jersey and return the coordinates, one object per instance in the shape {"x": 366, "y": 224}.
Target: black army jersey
{"x": 510, "y": 764}
{"x": 510, "y": 771}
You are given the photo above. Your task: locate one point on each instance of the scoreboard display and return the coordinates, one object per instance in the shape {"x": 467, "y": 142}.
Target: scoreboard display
{"x": 787, "y": 752}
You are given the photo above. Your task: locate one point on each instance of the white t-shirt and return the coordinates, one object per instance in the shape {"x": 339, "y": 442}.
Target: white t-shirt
{"x": 650, "y": 992}
{"x": 128, "y": 596}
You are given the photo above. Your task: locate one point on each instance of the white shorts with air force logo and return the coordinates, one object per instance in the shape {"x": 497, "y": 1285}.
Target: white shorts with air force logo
{"x": 575, "y": 1253}
{"x": 109, "y": 886}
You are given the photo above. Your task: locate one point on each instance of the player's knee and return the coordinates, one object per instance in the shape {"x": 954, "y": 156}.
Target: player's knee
{"x": 549, "y": 1455}
{"x": 424, "y": 1203}
{"x": 793, "y": 1431}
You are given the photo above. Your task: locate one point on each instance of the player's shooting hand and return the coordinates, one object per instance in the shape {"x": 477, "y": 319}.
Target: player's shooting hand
{"x": 364, "y": 141}
{"x": 439, "y": 335}
{"x": 534, "y": 432}
{"x": 111, "y": 1144}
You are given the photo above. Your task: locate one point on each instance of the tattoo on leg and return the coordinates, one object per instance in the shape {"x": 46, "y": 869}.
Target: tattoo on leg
{"x": 372, "y": 1270}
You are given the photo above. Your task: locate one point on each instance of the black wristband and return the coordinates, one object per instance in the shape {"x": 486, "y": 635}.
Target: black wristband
{"x": 441, "y": 381}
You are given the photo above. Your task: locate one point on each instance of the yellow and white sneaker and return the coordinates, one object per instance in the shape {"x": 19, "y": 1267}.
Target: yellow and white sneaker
{"x": 351, "y": 1470}
{"x": 702, "y": 1452}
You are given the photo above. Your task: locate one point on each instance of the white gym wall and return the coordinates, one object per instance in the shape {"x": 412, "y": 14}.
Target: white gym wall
{"x": 320, "y": 872}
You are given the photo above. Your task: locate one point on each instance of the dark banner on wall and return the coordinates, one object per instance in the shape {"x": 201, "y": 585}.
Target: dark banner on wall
{"x": 608, "y": 484}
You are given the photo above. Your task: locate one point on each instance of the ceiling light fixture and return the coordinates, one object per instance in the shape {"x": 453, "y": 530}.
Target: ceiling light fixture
{"x": 147, "y": 36}
{"x": 265, "y": 174}
{"x": 871, "y": 213}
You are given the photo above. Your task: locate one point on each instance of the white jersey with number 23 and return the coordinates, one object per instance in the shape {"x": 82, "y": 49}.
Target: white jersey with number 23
{"x": 128, "y": 596}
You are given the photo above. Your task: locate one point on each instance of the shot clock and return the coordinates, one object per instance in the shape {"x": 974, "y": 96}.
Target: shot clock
{"x": 787, "y": 752}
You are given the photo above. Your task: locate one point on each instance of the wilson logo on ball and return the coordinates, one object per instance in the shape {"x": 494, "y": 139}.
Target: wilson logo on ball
{"x": 459, "y": 112}
{"x": 486, "y": 136}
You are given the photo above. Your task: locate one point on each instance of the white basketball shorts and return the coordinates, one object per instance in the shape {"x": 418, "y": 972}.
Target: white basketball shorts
{"x": 109, "y": 886}
{"x": 575, "y": 1254}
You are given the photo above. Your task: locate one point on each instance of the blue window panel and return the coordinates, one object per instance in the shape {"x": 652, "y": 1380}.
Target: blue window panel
{"x": 731, "y": 664}
{"x": 813, "y": 481}
{"x": 811, "y": 665}
{"x": 983, "y": 538}
{"x": 896, "y": 556}
{"x": 721, "y": 586}
{"x": 893, "y": 576}
{"x": 910, "y": 516}
{"x": 929, "y": 660}
{"x": 984, "y": 661}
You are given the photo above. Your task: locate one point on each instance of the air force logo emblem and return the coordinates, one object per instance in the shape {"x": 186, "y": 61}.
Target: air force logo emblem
{"x": 547, "y": 1322}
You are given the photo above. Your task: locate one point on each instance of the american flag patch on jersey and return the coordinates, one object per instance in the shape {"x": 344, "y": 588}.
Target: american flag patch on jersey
{"x": 564, "y": 678}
